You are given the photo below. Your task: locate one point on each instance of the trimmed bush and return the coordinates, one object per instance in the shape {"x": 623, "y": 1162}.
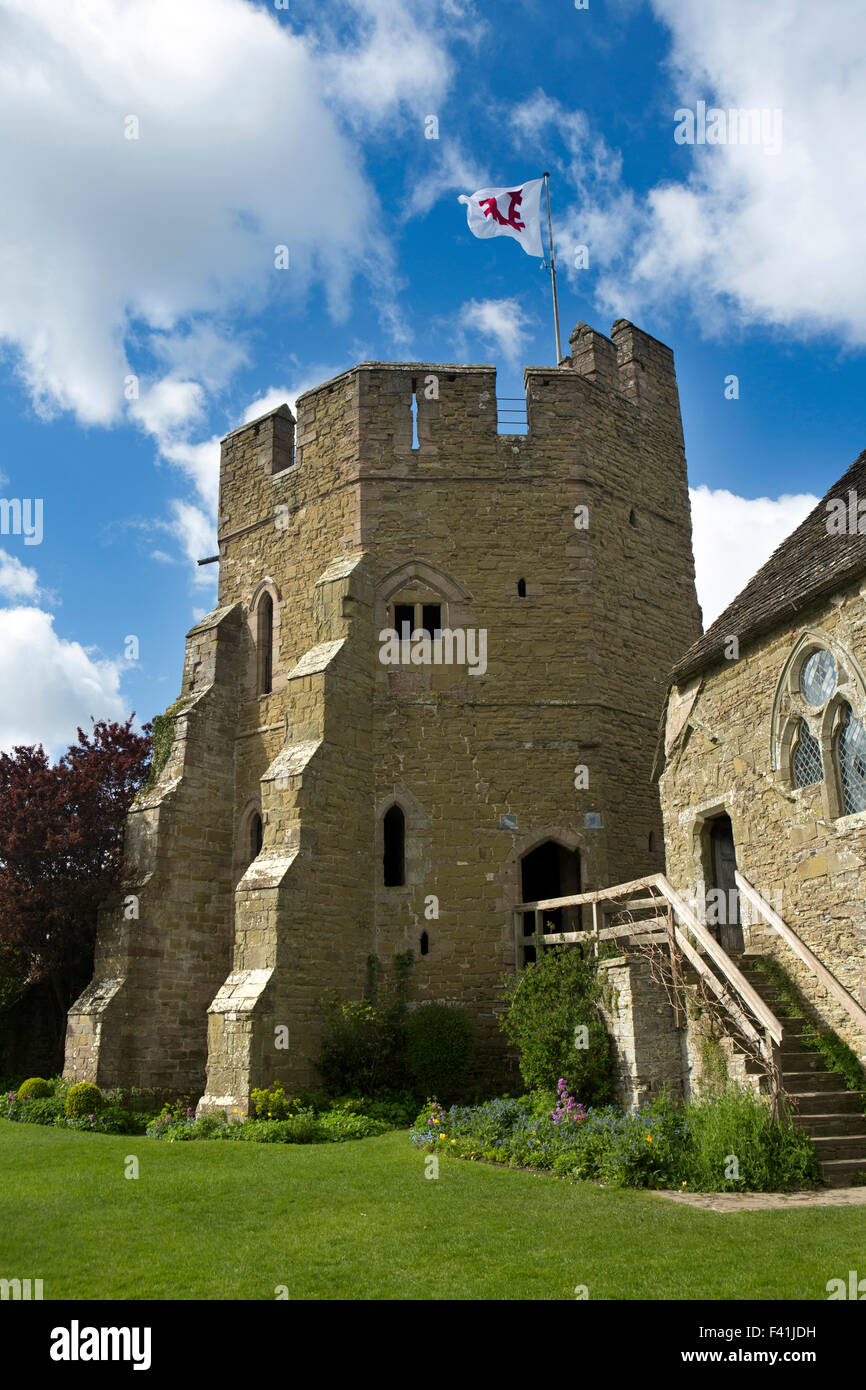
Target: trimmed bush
{"x": 82, "y": 1100}
{"x": 439, "y": 1043}
{"x": 35, "y": 1088}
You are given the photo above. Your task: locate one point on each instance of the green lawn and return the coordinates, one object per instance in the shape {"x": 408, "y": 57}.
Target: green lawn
{"x": 360, "y": 1220}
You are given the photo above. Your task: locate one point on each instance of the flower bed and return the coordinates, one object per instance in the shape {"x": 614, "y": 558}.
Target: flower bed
{"x": 726, "y": 1143}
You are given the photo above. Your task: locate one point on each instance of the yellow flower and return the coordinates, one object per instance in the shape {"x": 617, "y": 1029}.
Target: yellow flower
{"x": 453, "y": 1141}
{"x": 649, "y": 1138}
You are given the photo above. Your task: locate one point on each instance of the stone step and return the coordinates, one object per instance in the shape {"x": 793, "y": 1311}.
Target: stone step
{"x": 842, "y": 1172}
{"x": 822, "y": 1102}
{"x": 804, "y": 1081}
{"x": 831, "y": 1124}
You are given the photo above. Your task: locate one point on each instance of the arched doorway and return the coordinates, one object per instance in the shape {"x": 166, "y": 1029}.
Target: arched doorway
{"x": 551, "y": 870}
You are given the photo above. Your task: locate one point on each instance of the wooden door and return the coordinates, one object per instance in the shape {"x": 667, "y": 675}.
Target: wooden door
{"x": 724, "y": 862}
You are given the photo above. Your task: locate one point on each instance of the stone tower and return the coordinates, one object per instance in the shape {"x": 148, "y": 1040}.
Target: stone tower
{"x": 323, "y": 800}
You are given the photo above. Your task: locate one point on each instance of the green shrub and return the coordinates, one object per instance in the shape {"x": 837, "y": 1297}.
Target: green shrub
{"x": 82, "y": 1099}
{"x": 46, "y": 1111}
{"x": 111, "y": 1119}
{"x": 274, "y": 1104}
{"x": 36, "y": 1088}
{"x": 553, "y": 1017}
{"x": 364, "y": 1049}
{"x": 439, "y": 1044}
{"x": 735, "y": 1125}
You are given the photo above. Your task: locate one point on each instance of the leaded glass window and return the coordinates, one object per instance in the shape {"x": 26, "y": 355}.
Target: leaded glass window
{"x": 818, "y": 678}
{"x": 806, "y": 766}
{"x": 851, "y": 755}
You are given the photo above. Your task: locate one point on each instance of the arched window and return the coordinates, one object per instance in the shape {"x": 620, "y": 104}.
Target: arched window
{"x": 394, "y": 858}
{"x": 806, "y": 766}
{"x": 521, "y": 588}
{"x": 851, "y": 762}
{"x": 425, "y": 944}
{"x": 265, "y": 643}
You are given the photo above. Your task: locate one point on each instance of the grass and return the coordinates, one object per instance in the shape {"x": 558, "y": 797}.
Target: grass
{"x": 359, "y": 1221}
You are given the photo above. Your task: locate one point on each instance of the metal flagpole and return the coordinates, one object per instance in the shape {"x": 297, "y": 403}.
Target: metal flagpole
{"x": 553, "y": 270}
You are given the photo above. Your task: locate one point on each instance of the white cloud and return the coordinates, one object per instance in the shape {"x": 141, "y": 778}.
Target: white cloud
{"x": 17, "y": 581}
{"x": 500, "y": 323}
{"x": 734, "y": 536}
{"x": 276, "y": 396}
{"x": 747, "y": 236}
{"x": 168, "y": 407}
{"x": 451, "y": 170}
{"x": 399, "y": 58}
{"x": 49, "y": 685}
{"x": 737, "y": 235}
{"x": 195, "y": 531}
{"x": 112, "y": 242}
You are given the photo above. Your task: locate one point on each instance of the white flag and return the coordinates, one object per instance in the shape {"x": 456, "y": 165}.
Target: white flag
{"x": 514, "y": 211}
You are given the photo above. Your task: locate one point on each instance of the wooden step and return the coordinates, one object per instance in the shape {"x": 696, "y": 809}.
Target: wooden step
{"x": 831, "y": 1124}
{"x": 843, "y": 1102}
{"x": 842, "y": 1172}
{"x": 807, "y": 1080}
{"x": 801, "y": 1059}
{"x": 833, "y": 1146}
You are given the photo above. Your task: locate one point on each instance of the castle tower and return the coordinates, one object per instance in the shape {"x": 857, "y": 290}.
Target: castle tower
{"x": 325, "y": 797}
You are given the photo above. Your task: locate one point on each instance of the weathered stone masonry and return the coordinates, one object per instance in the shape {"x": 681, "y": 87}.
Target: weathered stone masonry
{"x": 333, "y": 522}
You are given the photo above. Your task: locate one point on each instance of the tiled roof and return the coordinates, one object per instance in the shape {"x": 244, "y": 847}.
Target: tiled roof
{"x": 810, "y": 562}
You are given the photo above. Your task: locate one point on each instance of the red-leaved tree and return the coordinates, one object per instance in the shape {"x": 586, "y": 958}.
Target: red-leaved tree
{"x": 61, "y": 844}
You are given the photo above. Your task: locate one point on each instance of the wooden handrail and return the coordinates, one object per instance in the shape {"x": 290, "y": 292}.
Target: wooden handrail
{"x": 721, "y": 959}
{"x": 705, "y": 939}
{"x": 799, "y": 947}
{"x": 619, "y": 890}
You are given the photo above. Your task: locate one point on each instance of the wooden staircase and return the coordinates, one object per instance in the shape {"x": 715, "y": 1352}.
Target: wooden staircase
{"x": 651, "y": 910}
{"x": 826, "y": 1110}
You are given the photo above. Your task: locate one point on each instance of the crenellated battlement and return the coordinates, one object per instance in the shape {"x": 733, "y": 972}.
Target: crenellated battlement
{"x": 422, "y": 419}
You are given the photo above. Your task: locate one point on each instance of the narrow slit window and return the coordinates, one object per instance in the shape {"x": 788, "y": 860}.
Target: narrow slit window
{"x": 394, "y": 858}
{"x": 521, "y": 588}
{"x": 265, "y": 642}
{"x": 414, "y": 413}
{"x": 425, "y": 944}
{"x": 257, "y": 835}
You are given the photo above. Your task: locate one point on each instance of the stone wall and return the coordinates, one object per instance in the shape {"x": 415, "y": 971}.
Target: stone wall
{"x": 653, "y": 1051}
{"x": 733, "y": 755}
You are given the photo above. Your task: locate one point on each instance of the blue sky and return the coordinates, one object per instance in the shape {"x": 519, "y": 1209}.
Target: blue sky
{"x": 153, "y": 258}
